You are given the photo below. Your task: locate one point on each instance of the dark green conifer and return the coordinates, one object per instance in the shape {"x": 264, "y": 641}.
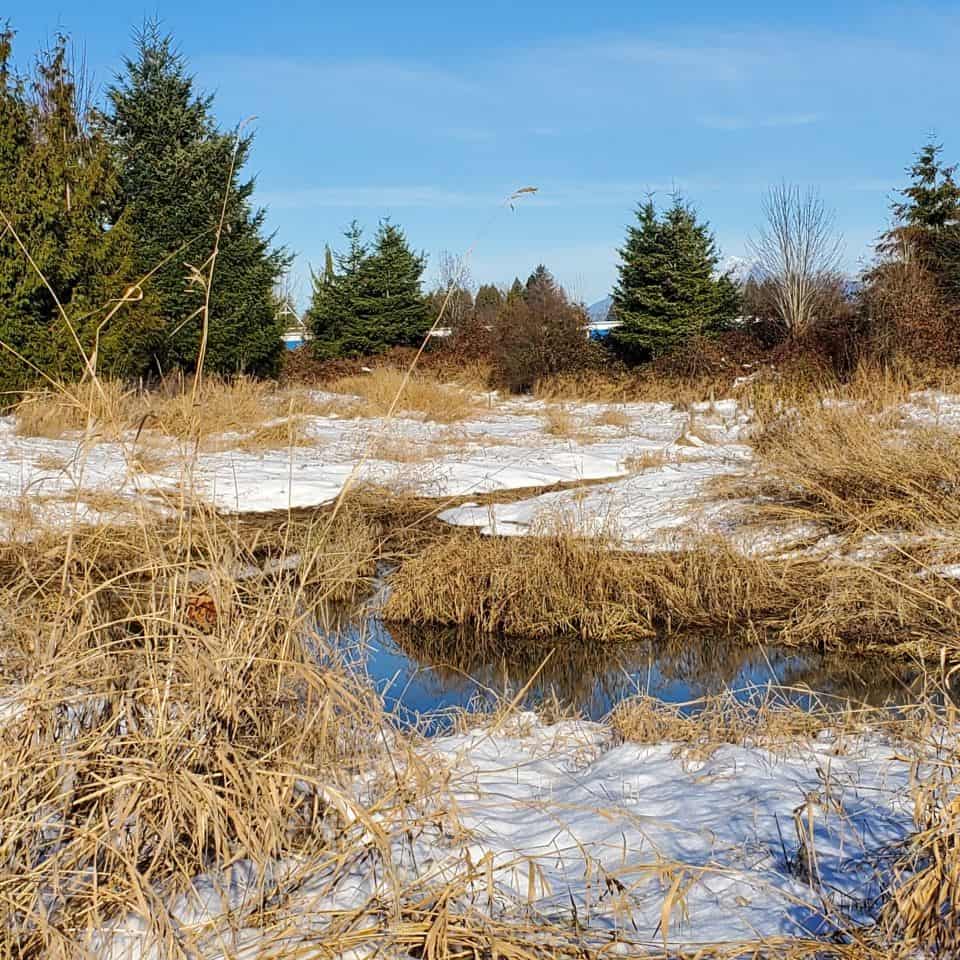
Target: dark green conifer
{"x": 58, "y": 188}
{"x": 929, "y": 220}
{"x": 375, "y": 299}
{"x": 667, "y": 291}
{"x": 175, "y": 173}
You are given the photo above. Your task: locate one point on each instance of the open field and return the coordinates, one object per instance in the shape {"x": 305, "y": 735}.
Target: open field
{"x": 191, "y": 770}
{"x": 248, "y": 448}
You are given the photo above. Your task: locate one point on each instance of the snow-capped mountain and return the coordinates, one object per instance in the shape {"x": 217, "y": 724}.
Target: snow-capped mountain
{"x": 740, "y": 269}
{"x": 598, "y": 311}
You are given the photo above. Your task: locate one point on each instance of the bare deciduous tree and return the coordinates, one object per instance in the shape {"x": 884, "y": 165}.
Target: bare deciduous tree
{"x": 798, "y": 255}
{"x": 455, "y": 284}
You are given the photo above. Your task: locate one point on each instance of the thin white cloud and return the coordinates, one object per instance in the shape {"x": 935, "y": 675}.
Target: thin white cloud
{"x": 735, "y": 122}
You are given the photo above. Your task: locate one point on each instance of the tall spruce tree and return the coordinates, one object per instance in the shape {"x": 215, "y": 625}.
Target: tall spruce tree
{"x": 667, "y": 290}
{"x": 928, "y": 219}
{"x": 393, "y": 305}
{"x": 540, "y": 283}
{"x": 487, "y": 302}
{"x": 335, "y": 300}
{"x": 516, "y": 290}
{"x": 175, "y": 176}
{"x": 58, "y": 189}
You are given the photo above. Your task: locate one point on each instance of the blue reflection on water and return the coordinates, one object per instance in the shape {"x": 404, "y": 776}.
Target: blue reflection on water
{"x": 416, "y": 681}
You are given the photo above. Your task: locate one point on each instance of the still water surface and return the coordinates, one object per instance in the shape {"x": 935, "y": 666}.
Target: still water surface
{"x": 421, "y": 672}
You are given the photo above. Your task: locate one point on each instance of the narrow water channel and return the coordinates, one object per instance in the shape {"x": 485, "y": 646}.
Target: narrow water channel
{"x": 426, "y": 673}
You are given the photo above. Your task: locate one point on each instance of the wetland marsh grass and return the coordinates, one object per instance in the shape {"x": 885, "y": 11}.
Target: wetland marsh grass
{"x": 142, "y": 747}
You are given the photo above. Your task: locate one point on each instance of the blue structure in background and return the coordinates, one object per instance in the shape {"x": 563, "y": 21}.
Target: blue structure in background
{"x": 293, "y": 339}
{"x": 600, "y": 329}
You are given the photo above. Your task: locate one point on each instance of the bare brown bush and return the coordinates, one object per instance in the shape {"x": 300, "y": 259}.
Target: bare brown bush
{"x": 539, "y": 334}
{"x": 909, "y": 316}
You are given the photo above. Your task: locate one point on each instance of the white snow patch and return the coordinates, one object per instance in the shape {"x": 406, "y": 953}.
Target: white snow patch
{"x": 571, "y": 824}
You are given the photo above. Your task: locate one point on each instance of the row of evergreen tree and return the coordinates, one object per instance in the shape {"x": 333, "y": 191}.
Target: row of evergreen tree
{"x": 109, "y": 216}
{"x": 368, "y": 299}
{"x": 108, "y": 213}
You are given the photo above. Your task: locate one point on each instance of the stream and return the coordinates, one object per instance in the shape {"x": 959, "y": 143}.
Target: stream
{"x": 425, "y": 675}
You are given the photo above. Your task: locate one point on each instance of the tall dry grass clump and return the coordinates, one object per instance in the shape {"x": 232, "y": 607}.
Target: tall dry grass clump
{"x": 422, "y": 394}
{"x": 106, "y": 408}
{"x": 849, "y": 468}
{"x": 256, "y": 409}
{"x": 165, "y": 715}
{"x": 922, "y": 913}
{"x": 572, "y": 586}
{"x": 216, "y": 406}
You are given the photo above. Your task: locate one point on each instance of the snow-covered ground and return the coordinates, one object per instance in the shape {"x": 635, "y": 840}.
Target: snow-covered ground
{"x": 657, "y": 461}
{"x": 624, "y": 844}
{"x": 631, "y": 844}
{"x": 663, "y": 454}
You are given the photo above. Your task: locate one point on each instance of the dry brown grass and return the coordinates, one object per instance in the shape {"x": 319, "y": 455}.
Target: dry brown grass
{"x": 853, "y": 470}
{"x": 395, "y": 450}
{"x": 49, "y": 461}
{"x": 647, "y": 460}
{"x": 613, "y": 417}
{"x": 574, "y": 586}
{"x": 423, "y": 394}
{"x": 767, "y": 719}
{"x": 149, "y": 752}
{"x": 220, "y": 406}
{"x": 104, "y": 409}
{"x": 559, "y": 422}
{"x": 146, "y": 458}
{"x": 291, "y": 432}
{"x": 264, "y": 415}
{"x": 592, "y": 385}
{"x": 143, "y": 753}
{"x": 922, "y": 913}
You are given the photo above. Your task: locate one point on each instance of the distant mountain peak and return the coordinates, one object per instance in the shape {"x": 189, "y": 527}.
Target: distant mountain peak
{"x": 740, "y": 269}
{"x": 598, "y": 311}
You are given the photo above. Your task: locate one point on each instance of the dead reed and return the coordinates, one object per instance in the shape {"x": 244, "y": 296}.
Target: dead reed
{"x": 575, "y": 586}
{"x": 141, "y": 746}
{"x": 422, "y": 394}
{"x": 849, "y": 469}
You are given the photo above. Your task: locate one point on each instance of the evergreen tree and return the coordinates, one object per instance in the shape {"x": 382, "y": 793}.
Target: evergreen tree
{"x": 175, "y": 175}
{"x": 328, "y": 269}
{"x": 393, "y": 305}
{"x": 539, "y": 284}
{"x": 667, "y": 291}
{"x": 375, "y": 299}
{"x": 487, "y": 302}
{"x": 58, "y": 188}
{"x": 729, "y": 301}
{"x": 929, "y": 220}
{"x": 334, "y": 303}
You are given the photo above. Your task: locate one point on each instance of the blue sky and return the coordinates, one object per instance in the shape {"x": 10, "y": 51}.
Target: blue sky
{"x": 432, "y": 113}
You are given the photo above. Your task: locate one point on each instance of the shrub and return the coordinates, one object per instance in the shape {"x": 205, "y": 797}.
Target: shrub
{"x": 538, "y": 334}
{"x": 908, "y": 314}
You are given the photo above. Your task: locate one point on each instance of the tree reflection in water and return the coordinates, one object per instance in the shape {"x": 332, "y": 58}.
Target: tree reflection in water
{"x": 426, "y": 671}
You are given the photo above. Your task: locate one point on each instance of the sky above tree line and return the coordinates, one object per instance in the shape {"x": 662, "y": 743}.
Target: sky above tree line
{"x": 433, "y": 113}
